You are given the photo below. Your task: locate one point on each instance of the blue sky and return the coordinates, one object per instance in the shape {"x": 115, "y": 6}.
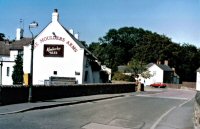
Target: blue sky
{"x": 177, "y": 19}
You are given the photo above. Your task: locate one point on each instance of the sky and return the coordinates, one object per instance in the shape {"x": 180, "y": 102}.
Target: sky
{"x": 92, "y": 19}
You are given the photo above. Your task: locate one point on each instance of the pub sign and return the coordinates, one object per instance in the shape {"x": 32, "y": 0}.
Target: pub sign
{"x": 53, "y": 50}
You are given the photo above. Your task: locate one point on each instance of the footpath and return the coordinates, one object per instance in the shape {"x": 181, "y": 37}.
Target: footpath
{"x": 23, "y": 107}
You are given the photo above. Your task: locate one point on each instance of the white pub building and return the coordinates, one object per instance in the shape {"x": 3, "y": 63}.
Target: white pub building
{"x": 59, "y": 57}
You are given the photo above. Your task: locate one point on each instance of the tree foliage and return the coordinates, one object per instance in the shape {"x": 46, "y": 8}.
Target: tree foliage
{"x": 121, "y": 46}
{"x": 17, "y": 75}
{"x": 2, "y": 36}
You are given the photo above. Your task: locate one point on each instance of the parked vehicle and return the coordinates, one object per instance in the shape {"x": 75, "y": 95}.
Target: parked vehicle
{"x": 159, "y": 84}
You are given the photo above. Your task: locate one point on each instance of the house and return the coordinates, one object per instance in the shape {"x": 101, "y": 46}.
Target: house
{"x": 8, "y": 54}
{"x": 59, "y": 54}
{"x": 5, "y": 63}
{"x": 158, "y": 73}
{"x": 161, "y": 73}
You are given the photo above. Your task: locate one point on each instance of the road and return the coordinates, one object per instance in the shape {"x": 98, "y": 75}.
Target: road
{"x": 165, "y": 109}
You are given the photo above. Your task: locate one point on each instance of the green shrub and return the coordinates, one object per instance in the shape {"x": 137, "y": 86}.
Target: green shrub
{"x": 119, "y": 76}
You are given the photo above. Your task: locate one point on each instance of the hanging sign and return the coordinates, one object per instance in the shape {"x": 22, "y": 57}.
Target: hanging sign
{"x": 52, "y": 50}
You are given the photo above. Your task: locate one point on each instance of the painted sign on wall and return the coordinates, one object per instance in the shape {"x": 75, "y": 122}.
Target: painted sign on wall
{"x": 56, "y": 38}
{"x": 51, "y": 50}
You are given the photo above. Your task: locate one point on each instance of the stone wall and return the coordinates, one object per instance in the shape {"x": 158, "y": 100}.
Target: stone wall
{"x": 197, "y": 111}
{"x": 17, "y": 94}
{"x": 188, "y": 85}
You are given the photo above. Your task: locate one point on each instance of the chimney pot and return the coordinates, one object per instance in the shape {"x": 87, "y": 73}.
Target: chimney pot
{"x": 55, "y": 10}
{"x": 166, "y": 62}
{"x": 76, "y": 36}
{"x": 55, "y": 15}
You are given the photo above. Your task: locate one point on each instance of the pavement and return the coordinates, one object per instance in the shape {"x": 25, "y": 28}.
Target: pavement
{"x": 23, "y": 107}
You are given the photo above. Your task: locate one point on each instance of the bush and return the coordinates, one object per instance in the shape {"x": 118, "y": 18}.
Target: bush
{"x": 119, "y": 76}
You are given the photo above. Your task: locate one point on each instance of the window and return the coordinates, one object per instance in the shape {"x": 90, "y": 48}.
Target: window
{"x": 8, "y": 71}
{"x": 54, "y": 72}
{"x": 20, "y": 52}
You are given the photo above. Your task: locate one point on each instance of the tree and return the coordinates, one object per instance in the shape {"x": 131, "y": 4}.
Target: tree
{"x": 17, "y": 75}
{"x": 2, "y": 37}
{"x": 136, "y": 67}
{"x": 84, "y": 44}
{"x": 146, "y": 74}
{"x": 120, "y": 46}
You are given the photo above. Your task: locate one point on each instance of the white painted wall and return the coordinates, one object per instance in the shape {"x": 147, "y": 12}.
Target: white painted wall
{"x": 198, "y": 81}
{"x": 157, "y": 75}
{"x": 108, "y": 70}
{"x": 7, "y": 75}
{"x": 66, "y": 66}
{"x": 13, "y": 55}
{"x": 27, "y": 59}
{"x": 7, "y": 67}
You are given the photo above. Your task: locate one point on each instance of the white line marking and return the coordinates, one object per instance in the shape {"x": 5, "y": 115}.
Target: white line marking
{"x": 166, "y": 113}
{"x": 185, "y": 102}
{"x": 161, "y": 117}
{"x": 164, "y": 97}
{"x": 101, "y": 126}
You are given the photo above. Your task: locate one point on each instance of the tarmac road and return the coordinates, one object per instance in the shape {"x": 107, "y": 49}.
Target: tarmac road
{"x": 153, "y": 109}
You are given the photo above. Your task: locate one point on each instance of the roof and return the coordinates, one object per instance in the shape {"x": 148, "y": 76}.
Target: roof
{"x": 19, "y": 44}
{"x": 4, "y": 48}
{"x": 164, "y": 67}
{"x": 124, "y": 69}
{"x": 79, "y": 43}
{"x": 149, "y": 65}
{"x": 198, "y": 70}
{"x": 75, "y": 39}
{"x": 161, "y": 66}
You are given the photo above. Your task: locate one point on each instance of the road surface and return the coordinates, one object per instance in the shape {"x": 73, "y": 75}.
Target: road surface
{"x": 159, "y": 109}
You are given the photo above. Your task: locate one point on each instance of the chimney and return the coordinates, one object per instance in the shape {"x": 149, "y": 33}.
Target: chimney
{"x": 55, "y": 15}
{"x": 71, "y": 31}
{"x": 76, "y": 36}
{"x": 174, "y": 69}
{"x": 19, "y": 33}
{"x": 166, "y": 62}
{"x": 158, "y": 62}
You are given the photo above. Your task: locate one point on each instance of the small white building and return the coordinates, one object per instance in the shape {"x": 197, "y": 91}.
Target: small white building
{"x": 198, "y": 80}
{"x": 158, "y": 73}
{"x": 8, "y": 54}
{"x": 161, "y": 73}
{"x": 58, "y": 53}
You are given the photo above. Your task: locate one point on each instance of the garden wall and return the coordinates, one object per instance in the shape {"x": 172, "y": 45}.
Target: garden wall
{"x": 188, "y": 85}
{"x": 18, "y": 94}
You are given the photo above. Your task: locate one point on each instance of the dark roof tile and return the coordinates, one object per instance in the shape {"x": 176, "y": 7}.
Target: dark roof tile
{"x": 164, "y": 67}
{"x": 19, "y": 44}
{"x": 4, "y": 48}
